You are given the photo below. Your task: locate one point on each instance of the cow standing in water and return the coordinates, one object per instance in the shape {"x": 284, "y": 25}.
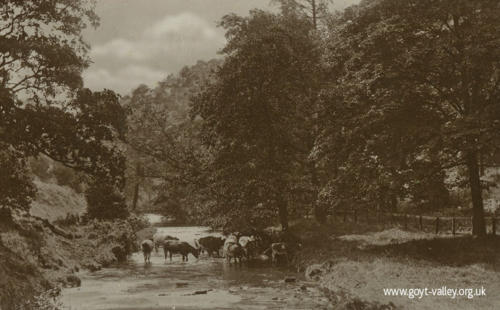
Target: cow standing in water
{"x": 232, "y": 249}
{"x": 210, "y": 244}
{"x": 279, "y": 250}
{"x": 248, "y": 244}
{"x": 183, "y": 248}
{"x": 147, "y": 247}
{"x": 160, "y": 237}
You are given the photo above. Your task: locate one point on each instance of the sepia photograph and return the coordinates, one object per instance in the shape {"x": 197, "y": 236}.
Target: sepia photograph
{"x": 249, "y": 154}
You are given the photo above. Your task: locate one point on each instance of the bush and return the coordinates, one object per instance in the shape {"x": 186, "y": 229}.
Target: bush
{"x": 48, "y": 300}
{"x": 115, "y": 239}
{"x": 138, "y": 222}
{"x": 16, "y": 188}
{"x": 105, "y": 202}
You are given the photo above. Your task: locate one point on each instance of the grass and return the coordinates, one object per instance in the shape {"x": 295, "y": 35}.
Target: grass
{"x": 354, "y": 263}
{"x": 458, "y": 251}
{"x": 55, "y": 202}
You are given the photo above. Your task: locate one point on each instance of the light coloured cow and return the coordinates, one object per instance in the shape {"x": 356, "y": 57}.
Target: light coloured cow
{"x": 248, "y": 243}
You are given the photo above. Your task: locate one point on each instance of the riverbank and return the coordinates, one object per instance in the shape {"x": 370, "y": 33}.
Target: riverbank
{"x": 355, "y": 264}
{"x": 39, "y": 258}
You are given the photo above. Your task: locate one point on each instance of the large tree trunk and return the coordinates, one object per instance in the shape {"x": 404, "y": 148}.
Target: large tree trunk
{"x": 136, "y": 196}
{"x": 314, "y": 14}
{"x": 320, "y": 214}
{"x": 139, "y": 173}
{"x": 283, "y": 214}
{"x": 478, "y": 223}
{"x": 319, "y": 210}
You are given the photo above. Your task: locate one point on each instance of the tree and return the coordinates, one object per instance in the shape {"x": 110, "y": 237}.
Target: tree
{"x": 105, "y": 202}
{"x": 255, "y": 118}
{"x": 42, "y": 51}
{"x": 416, "y": 82}
{"x": 16, "y": 188}
{"x": 43, "y": 108}
{"x": 165, "y": 153}
{"x": 315, "y": 10}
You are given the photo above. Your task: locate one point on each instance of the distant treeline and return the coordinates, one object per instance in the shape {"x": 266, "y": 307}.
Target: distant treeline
{"x": 384, "y": 104}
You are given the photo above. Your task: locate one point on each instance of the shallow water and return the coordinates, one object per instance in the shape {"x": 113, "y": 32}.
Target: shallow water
{"x": 154, "y": 218}
{"x": 204, "y": 283}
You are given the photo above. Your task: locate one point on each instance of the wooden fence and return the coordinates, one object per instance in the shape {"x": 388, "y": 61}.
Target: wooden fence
{"x": 436, "y": 224}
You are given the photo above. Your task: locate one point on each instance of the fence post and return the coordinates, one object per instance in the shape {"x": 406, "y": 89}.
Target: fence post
{"x": 493, "y": 225}
{"x": 406, "y": 221}
{"x": 453, "y": 225}
{"x": 345, "y": 216}
{"x": 355, "y": 216}
{"x": 420, "y": 224}
{"x": 437, "y": 225}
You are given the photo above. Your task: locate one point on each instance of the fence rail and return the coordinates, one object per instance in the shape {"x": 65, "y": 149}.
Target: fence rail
{"x": 453, "y": 224}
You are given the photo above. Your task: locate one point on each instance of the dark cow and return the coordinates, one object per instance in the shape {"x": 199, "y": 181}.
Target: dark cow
{"x": 211, "y": 244}
{"x": 160, "y": 237}
{"x": 279, "y": 250}
{"x": 233, "y": 250}
{"x": 147, "y": 247}
{"x": 177, "y": 247}
{"x": 249, "y": 245}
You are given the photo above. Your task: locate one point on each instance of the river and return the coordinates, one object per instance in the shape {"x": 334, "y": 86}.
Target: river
{"x": 203, "y": 283}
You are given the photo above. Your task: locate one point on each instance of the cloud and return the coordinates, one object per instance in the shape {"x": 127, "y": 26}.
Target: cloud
{"x": 122, "y": 80}
{"x": 120, "y": 48}
{"x": 166, "y": 45}
{"x": 185, "y": 25}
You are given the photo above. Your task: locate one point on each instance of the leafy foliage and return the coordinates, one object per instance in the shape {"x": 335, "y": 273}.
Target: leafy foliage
{"x": 315, "y": 10}
{"x": 255, "y": 121}
{"x": 43, "y": 109}
{"x": 42, "y": 51}
{"x": 369, "y": 107}
{"x": 16, "y": 189}
{"x": 105, "y": 202}
{"x": 165, "y": 156}
{"x": 415, "y": 94}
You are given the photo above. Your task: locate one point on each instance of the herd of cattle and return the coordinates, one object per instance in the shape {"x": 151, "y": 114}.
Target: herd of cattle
{"x": 261, "y": 247}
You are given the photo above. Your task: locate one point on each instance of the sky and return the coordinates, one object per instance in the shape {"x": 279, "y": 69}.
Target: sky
{"x": 143, "y": 41}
